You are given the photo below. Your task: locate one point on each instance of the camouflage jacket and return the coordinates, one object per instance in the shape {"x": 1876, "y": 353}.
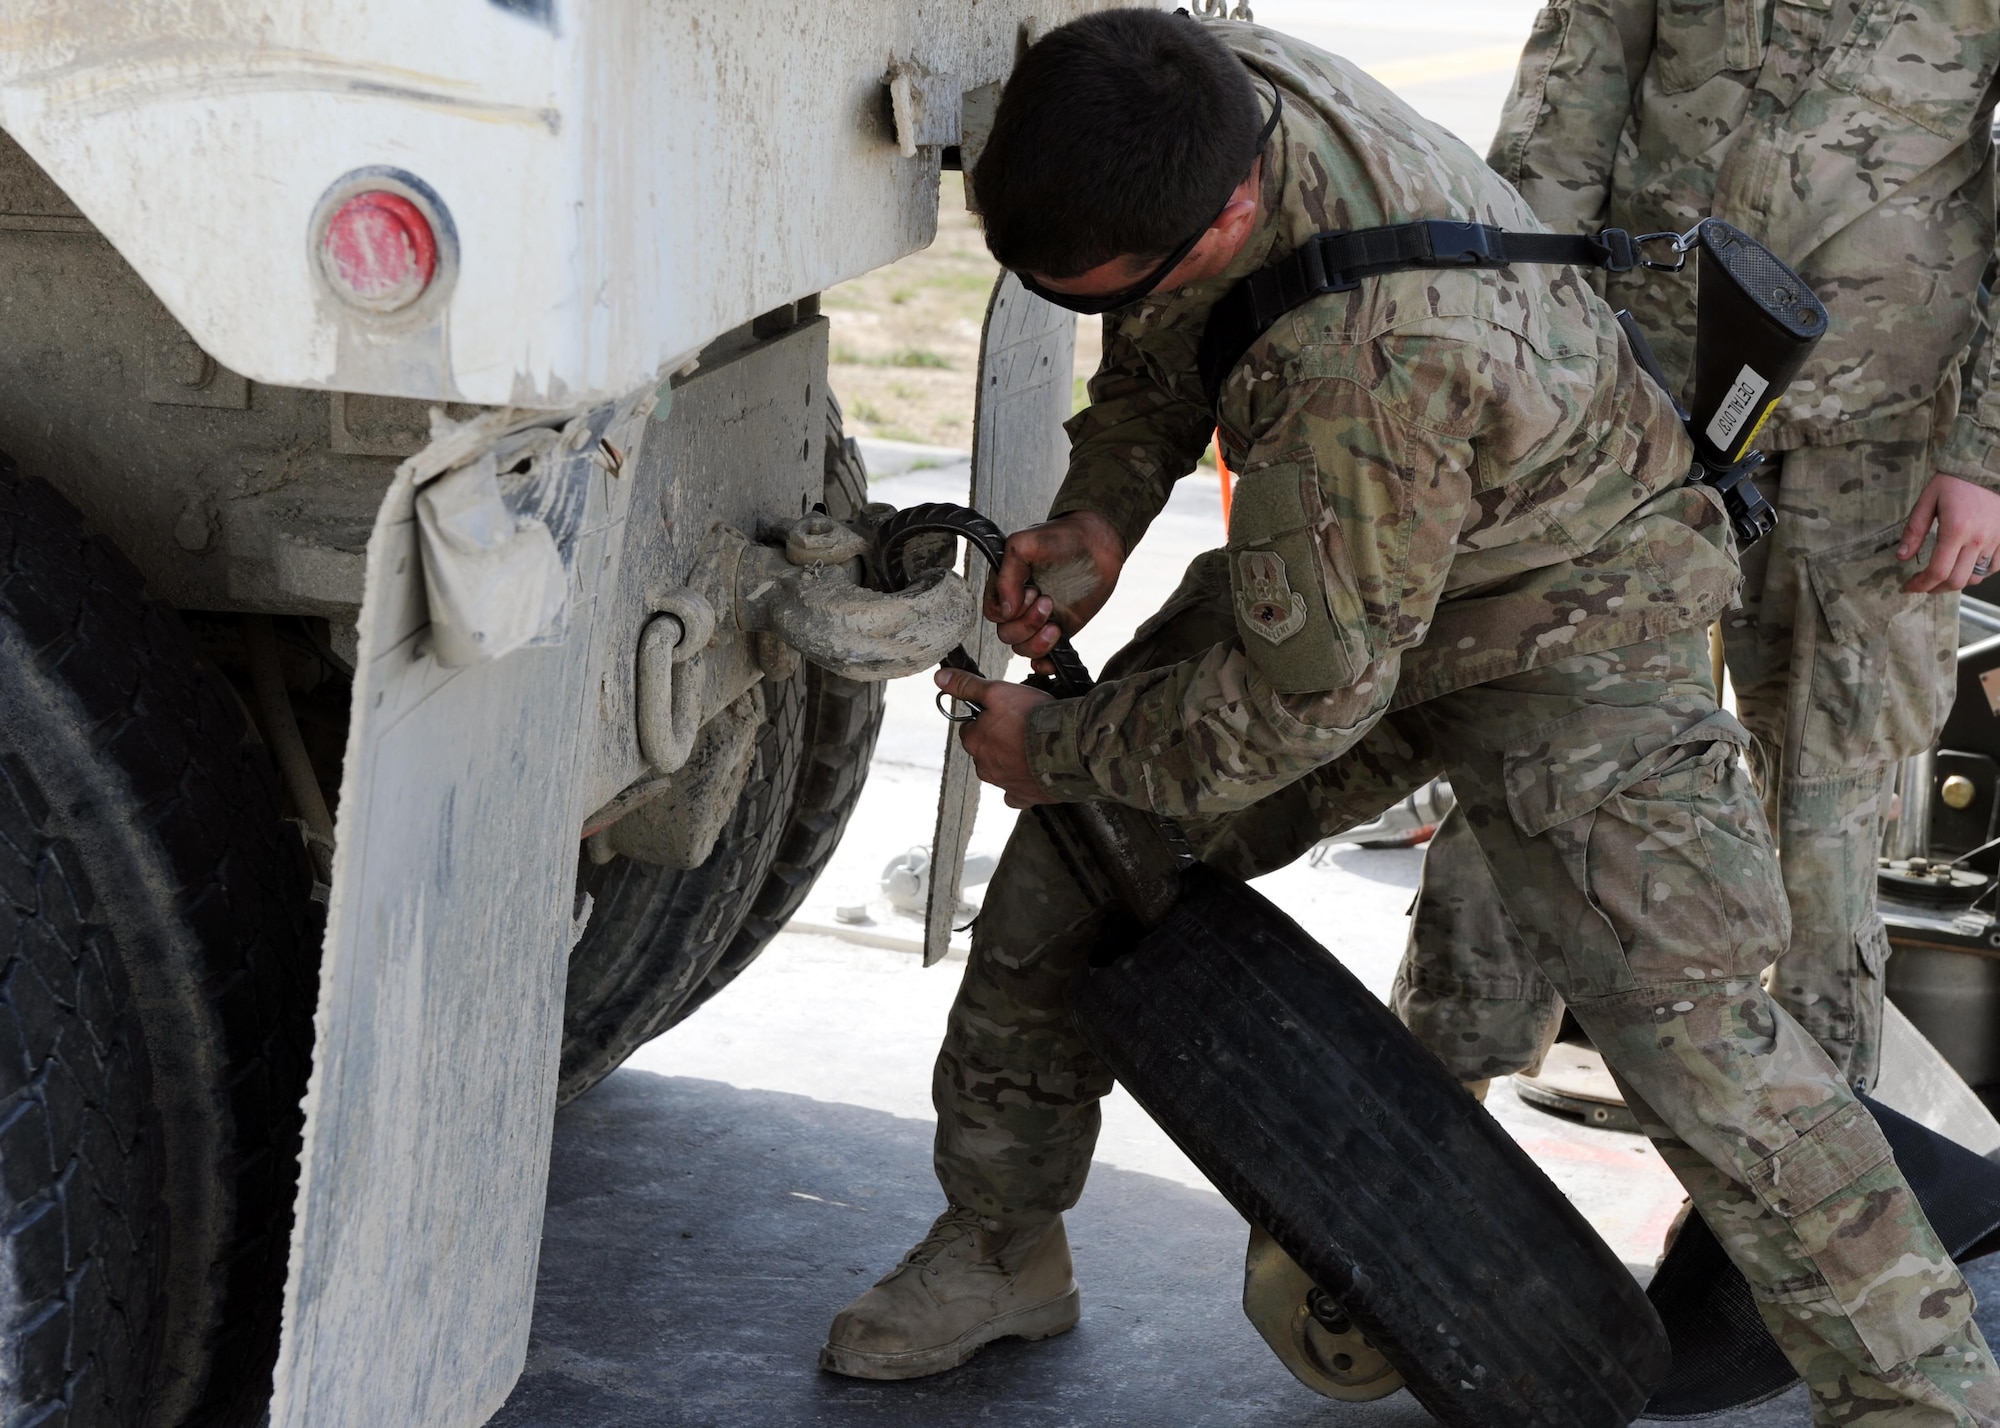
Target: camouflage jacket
{"x": 1443, "y": 477}
{"x": 1849, "y": 135}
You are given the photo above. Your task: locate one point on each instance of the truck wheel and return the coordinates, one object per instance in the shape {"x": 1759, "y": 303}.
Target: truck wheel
{"x": 655, "y": 932}
{"x": 659, "y": 942}
{"x": 843, "y": 718}
{"x": 158, "y": 989}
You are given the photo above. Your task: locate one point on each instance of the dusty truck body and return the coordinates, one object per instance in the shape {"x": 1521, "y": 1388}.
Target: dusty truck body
{"x": 434, "y": 652}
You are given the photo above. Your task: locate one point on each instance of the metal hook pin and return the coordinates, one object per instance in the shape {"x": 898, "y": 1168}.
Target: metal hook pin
{"x": 1682, "y": 243}
{"x": 941, "y": 698}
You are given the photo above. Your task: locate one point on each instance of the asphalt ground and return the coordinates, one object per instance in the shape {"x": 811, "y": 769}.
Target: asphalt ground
{"x": 701, "y": 1235}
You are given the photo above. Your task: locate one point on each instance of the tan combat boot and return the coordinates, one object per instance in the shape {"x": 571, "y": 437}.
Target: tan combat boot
{"x": 969, "y": 1282}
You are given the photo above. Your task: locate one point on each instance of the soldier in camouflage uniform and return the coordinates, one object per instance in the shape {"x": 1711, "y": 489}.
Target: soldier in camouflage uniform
{"x": 1853, "y": 140}
{"x": 1460, "y": 542}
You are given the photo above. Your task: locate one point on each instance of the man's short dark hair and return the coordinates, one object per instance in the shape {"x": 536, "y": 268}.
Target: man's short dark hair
{"x": 1118, "y": 134}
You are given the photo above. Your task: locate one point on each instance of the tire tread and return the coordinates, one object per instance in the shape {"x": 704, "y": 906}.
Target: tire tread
{"x": 155, "y": 790}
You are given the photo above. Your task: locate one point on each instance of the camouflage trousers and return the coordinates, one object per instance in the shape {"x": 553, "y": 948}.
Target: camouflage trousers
{"x": 1607, "y": 793}
{"x": 1839, "y": 675}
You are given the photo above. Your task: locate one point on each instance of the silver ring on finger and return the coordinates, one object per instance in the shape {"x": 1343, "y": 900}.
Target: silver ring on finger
{"x": 1981, "y": 566}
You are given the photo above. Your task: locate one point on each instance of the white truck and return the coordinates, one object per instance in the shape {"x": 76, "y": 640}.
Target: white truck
{"x": 434, "y": 655}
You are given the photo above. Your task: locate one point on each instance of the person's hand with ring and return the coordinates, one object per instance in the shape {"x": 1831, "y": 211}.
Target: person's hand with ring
{"x": 1968, "y": 534}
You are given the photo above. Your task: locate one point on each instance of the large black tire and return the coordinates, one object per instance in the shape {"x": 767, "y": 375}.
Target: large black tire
{"x": 1319, "y": 1117}
{"x": 159, "y": 991}
{"x": 843, "y": 718}
{"x": 659, "y": 943}
{"x": 655, "y": 933}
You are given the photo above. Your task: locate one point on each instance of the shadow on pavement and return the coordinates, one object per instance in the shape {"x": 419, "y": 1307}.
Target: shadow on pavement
{"x": 700, "y": 1238}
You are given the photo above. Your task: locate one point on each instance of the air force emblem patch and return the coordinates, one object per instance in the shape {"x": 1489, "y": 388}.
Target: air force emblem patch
{"x": 1265, "y": 599}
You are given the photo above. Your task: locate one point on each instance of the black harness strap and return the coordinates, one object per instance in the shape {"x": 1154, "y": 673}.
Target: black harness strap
{"x": 1336, "y": 262}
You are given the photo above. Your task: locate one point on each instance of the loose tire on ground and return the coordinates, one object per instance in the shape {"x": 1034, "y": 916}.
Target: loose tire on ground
{"x": 1319, "y": 1117}
{"x": 659, "y": 942}
{"x": 157, "y": 990}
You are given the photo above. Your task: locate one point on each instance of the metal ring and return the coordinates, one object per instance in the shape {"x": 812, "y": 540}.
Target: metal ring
{"x": 939, "y": 699}
{"x": 1982, "y": 565}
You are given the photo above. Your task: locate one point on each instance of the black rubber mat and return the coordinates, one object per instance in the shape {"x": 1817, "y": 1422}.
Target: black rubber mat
{"x": 1724, "y": 1357}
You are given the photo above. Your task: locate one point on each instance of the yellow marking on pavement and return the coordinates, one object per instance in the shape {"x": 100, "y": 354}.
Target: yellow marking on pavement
{"x": 1450, "y": 64}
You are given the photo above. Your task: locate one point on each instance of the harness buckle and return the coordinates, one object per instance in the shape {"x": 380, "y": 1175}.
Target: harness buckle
{"x": 1454, "y": 242}
{"x": 1319, "y": 278}
{"x": 1622, "y": 250}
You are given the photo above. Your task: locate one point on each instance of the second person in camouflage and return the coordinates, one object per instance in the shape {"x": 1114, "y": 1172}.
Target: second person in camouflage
{"x": 1461, "y": 541}
{"x": 1854, "y": 140}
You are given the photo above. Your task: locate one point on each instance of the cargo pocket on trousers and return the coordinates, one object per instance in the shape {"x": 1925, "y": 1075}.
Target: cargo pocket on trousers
{"x": 1664, "y": 835}
{"x": 1883, "y": 662}
{"x": 1838, "y": 1187}
{"x": 1295, "y": 602}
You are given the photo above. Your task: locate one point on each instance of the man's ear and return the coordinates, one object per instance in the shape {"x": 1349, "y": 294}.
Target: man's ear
{"x": 1239, "y": 215}
{"x": 1230, "y": 231}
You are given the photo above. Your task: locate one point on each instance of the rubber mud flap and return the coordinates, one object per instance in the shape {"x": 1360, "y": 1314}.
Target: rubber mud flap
{"x": 1321, "y": 1118}
{"x": 1724, "y": 1357}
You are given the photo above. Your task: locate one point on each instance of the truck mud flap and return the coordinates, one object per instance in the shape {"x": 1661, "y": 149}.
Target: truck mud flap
{"x": 1319, "y": 1117}
{"x": 1724, "y": 1357}
{"x": 1020, "y": 454}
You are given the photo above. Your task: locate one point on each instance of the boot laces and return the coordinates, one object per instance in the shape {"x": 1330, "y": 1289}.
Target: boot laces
{"x": 948, "y": 1229}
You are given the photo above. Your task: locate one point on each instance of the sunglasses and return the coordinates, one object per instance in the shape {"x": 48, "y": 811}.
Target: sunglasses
{"x": 1088, "y": 305}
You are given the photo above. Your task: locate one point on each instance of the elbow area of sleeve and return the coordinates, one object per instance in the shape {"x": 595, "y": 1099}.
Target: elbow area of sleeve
{"x": 1053, "y": 753}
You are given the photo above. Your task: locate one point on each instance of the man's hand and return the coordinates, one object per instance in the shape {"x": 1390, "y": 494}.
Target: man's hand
{"x": 998, "y": 738}
{"x": 1053, "y": 578}
{"x": 1968, "y": 527}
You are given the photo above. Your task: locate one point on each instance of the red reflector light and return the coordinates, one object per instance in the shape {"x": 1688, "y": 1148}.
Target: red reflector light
{"x": 378, "y": 251}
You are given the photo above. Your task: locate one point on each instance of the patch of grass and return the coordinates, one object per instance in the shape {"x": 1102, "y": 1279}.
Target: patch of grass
{"x": 976, "y": 281}
{"x": 906, "y": 336}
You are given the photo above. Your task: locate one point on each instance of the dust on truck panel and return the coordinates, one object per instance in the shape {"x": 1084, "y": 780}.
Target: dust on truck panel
{"x": 588, "y": 192}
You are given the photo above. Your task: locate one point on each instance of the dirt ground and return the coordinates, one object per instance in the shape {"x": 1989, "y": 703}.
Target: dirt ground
{"x": 906, "y": 337}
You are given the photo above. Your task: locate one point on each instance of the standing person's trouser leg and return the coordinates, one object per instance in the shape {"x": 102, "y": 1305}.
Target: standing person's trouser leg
{"x": 1633, "y": 858}
{"x": 1839, "y": 675}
